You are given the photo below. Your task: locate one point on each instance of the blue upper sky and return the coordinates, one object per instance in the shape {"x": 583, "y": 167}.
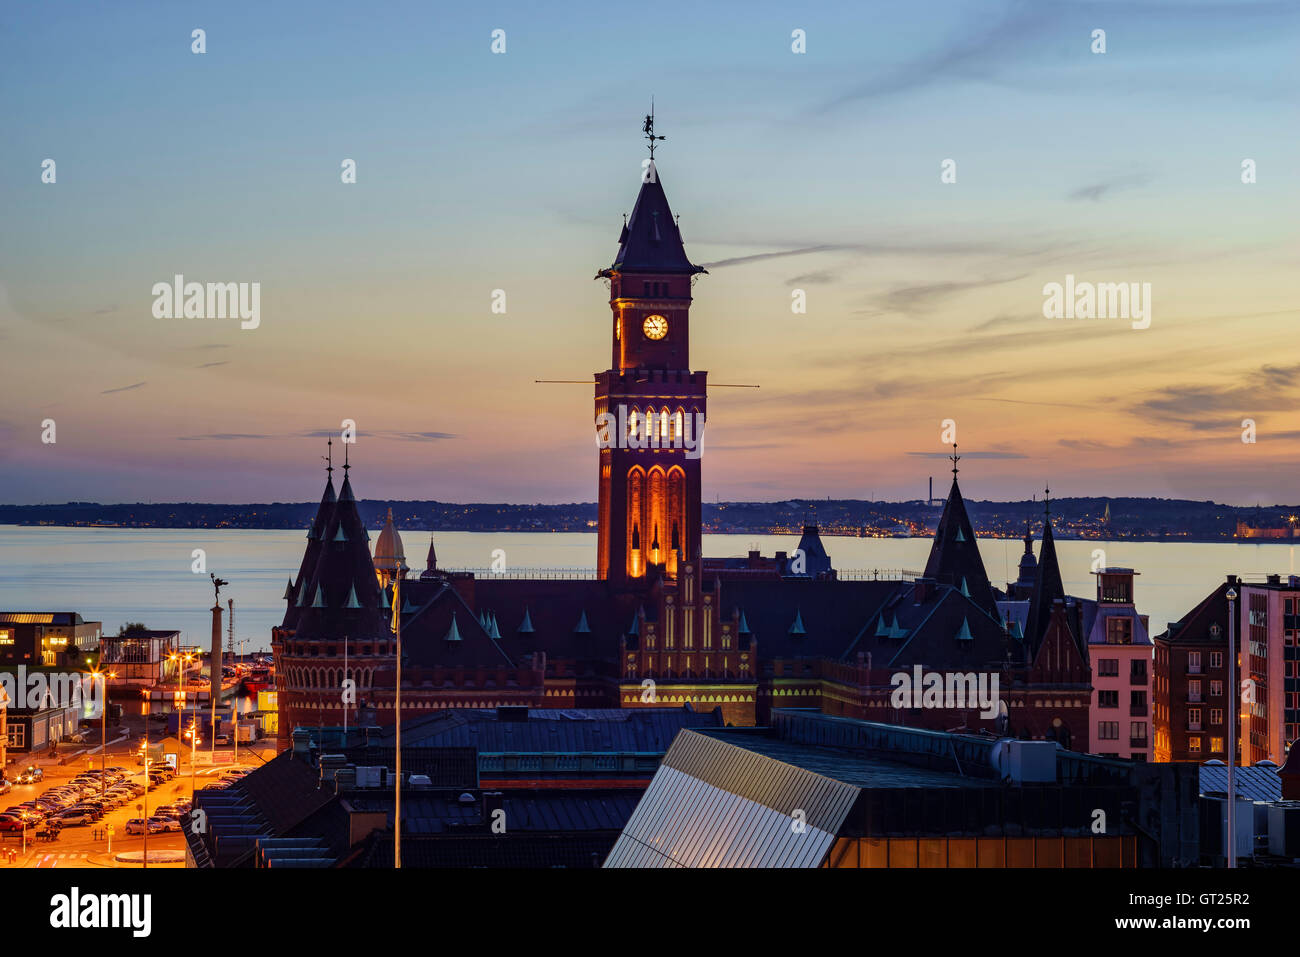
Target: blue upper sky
{"x": 479, "y": 171}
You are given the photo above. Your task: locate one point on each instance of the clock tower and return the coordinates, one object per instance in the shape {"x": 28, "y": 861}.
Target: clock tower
{"x": 650, "y": 406}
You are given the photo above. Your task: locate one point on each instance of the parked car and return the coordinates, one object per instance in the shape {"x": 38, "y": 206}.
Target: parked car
{"x": 137, "y": 826}
{"x": 31, "y": 774}
{"x": 14, "y": 822}
{"x": 165, "y": 823}
{"x": 74, "y": 816}
{"x": 5, "y": 787}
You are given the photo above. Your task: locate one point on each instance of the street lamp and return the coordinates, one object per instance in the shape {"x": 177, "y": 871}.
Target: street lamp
{"x": 1232, "y": 725}
{"x": 103, "y": 729}
{"x": 192, "y": 733}
{"x": 145, "y": 746}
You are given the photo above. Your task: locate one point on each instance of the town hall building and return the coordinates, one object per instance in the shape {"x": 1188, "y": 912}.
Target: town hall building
{"x": 661, "y": 625}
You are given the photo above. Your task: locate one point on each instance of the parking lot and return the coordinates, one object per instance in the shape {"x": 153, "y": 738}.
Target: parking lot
{"x": 97, "y": 822}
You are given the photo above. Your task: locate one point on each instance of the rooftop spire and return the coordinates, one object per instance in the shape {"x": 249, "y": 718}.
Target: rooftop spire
{"x": 955, "y": 459}
{"x": 1048, "y": 587}
{"x": 329, "y": 457}
{"x": 650, "y": 241}
{"x": 648, "y": 129}
{"x": 954, "y": 556}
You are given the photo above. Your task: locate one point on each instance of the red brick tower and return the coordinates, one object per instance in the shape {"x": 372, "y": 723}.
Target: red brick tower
{"x": 650, "y": 406}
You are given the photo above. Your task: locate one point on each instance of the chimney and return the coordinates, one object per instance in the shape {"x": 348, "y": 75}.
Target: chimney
{"x": 330, "y": 765}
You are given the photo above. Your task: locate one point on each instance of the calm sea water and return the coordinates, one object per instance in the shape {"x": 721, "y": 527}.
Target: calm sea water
{"x": 115, "y": 575}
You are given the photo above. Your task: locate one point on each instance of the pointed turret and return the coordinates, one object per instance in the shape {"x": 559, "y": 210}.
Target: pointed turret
{"x": 389, "y": 553}
{"x": 296, "y": 595}
{"x": 650, "y": 240}
{"x": 811, "y": 560}
{"x": 1028, "y": 564}
{"x": 1047, "y": 586}
{"x": 954, "y": 556}
{"x": 344, "y": 576}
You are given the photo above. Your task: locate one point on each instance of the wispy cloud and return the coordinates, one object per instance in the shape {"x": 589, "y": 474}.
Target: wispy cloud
{"x": 125, "y": 388}
{"x": 394, "y": 434}
{"x": 1095, "y": 192}
{"x": 969, "y": 455}
{"x": 924, "y": 298}
{"x": 1270, "y": 389}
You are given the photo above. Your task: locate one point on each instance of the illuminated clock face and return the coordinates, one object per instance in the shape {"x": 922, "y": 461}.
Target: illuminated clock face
{"x": 655, "y": 327}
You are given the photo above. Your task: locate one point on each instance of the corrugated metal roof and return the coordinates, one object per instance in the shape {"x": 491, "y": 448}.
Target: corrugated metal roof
{"x": 712, "y": 804}
{"x": 1255, "y": 783}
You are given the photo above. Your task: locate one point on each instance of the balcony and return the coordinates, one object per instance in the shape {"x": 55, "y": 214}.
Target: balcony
{"x": 1137, "y": 711}
{"x": 1194, "y": 726}
{"x": 1138, "y": 743}
{"x": 1138, "y": 679}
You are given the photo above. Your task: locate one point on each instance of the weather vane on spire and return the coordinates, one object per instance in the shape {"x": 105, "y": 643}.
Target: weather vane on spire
{"x": 1047, "y": 500}
{"x": 649, "y": 128}
{"x": 955, "y": 459}
{"x": 329, "y": 456}
{"x": 345, "y": 459}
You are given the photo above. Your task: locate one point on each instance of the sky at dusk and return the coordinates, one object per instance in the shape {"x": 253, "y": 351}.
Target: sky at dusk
{"x": 479, "y": 171}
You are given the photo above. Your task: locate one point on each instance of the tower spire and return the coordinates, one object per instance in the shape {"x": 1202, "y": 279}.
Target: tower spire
{"x": 329, "y": 457}
{"x": 648, "y": 128}
{"x": 955, "y": 459}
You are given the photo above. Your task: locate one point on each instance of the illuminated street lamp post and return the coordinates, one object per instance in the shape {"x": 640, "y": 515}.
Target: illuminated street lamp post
{"x": 145, "y": 746}
{"x": 192, "y": 733}
{"x": 103, "y": 729}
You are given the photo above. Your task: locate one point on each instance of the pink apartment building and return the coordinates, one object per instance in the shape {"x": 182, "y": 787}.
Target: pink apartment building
{"x": 1120, "y": 652}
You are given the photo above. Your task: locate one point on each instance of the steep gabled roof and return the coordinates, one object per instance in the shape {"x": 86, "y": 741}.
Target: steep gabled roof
{"x": 955, "y": 556}
{"x": 344, "y": 570}
{"x": 650, "y": 241}
{"x": 1047, "y": 589}
{"x": 441, "y": 630}
{"x": 816, "y": 561}
{"x": 310, "y": 555}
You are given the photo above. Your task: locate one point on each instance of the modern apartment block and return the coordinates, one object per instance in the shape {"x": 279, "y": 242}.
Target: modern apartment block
{"x": 1193, "y": 691}
{"x": 1120, "y": 650}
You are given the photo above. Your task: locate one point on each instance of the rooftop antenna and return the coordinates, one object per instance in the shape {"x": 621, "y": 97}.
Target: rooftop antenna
{"x": 649, "y": 128}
